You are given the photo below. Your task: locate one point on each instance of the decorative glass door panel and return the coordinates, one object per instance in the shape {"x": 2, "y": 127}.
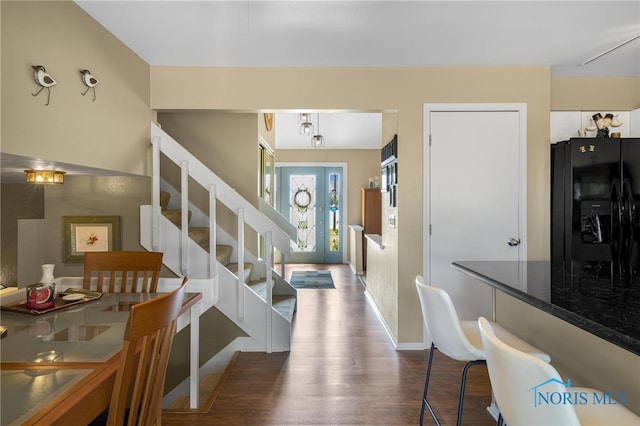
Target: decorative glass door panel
{"x": 313, "y": 206}
{"x": 302, "y": 211}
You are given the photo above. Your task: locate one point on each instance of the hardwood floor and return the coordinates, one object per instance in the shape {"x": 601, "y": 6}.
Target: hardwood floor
{"x": 342, "y": 370}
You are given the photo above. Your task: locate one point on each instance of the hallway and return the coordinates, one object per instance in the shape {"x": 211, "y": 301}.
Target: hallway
{"x": 342, "y": 369}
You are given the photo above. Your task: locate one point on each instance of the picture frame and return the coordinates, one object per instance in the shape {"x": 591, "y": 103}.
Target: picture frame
{"x": 384, "y": 179}
{"x": 89, "y": 233}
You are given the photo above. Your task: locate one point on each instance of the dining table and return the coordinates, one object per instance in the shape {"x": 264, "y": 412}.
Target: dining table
{"x": 58, "y": 367}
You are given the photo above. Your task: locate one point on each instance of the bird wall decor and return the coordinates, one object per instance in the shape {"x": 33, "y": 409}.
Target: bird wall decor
{"x": 44, "y": 80}
{"x": 90, "y": 81}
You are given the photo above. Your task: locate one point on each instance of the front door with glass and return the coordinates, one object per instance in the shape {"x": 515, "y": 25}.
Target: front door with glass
{"x": 310, "y": 197}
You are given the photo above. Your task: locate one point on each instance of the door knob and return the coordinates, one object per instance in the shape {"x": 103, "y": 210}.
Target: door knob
{"x": 513, "y": 242}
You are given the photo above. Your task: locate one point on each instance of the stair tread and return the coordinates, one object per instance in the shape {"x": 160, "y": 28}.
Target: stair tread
{"x": 200, "y": 235}
{"x": 285, "y": 304}
{"x": 175, "y": 216}
{"x": 260, "y": 284}
{"x": 223, "y": 253}
{"x": 248, "y": 268}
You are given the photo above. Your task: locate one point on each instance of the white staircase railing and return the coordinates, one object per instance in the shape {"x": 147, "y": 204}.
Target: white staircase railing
{"x": 219, "y": 191}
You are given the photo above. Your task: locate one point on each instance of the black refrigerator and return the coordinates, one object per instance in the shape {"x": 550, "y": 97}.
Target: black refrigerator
{"x": 595, "y": 209}
{"x": 595, "y": 229}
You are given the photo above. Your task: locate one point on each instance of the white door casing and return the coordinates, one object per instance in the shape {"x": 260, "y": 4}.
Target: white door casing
{"x": 475, "y": 195}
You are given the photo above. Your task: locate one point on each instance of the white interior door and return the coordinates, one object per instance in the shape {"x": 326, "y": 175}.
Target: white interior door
{"x": 476, "y": 199}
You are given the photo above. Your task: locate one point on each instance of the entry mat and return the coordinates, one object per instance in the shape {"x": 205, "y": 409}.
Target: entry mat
{"x": 311, "y": 279}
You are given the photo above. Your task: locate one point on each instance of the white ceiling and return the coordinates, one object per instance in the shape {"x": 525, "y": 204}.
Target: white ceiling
{"x": 319, "y": 33}
{"x": 340, "y": 130}
{"x": 559, "y": 34}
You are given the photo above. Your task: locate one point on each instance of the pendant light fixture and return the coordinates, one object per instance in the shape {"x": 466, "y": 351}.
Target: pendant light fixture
{"x": 317, "y": 140}
{"x": 306, "y": 126}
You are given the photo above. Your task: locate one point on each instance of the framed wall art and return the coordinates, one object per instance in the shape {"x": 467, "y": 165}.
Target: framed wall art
{"x": 89, "y": 233}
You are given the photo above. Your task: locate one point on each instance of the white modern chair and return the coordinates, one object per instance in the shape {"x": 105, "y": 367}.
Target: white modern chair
{"x": 516, "y": 377}
{"x": 459, "y": 340}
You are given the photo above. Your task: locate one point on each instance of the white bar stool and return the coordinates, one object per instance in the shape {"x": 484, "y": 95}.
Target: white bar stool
{"x": 515, "y": 377}
{"x": 459, "y": 340}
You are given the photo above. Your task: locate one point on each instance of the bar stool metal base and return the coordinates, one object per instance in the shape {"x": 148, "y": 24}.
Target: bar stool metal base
{"x": 463, "y": 382}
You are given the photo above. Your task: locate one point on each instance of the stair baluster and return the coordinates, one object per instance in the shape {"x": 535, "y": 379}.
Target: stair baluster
{"x": 269, "y": 277}
{"x": 155, "y": 193}
{"x": 184, "y": 219}
{"x": 241, "y": 278}
{"x": 213, "y": 236}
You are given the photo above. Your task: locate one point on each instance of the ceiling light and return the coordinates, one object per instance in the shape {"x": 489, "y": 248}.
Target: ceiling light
{"x": 306, "y": 128}
{"x": 317, "y": 140}
{"x": 304, "y": 117}
{"x": 44, "y": 176}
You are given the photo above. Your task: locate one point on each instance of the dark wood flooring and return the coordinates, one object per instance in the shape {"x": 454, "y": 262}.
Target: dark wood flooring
{"x": 342, "y": 370}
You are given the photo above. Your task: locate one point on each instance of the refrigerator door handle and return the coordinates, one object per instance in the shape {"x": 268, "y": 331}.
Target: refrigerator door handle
{"x": 617, "y": 208}
{"x": 629, "y": 210}
{"x": 630, "y": 207}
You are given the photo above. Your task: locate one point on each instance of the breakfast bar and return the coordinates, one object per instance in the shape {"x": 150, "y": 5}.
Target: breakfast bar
{"x": 611, "y": 313}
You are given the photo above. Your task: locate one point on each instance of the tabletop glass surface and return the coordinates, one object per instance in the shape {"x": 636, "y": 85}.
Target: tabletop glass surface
{"x": 90, "y": 332}
{"x": 25, "y": 392}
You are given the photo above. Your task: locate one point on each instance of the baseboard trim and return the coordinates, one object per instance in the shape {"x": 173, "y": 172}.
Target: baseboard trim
{"x": 411, "y": 346}
{"x": 381, "y": 319}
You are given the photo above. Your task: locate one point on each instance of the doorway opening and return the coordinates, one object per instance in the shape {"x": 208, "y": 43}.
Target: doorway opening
{"x": 312, "y": 199}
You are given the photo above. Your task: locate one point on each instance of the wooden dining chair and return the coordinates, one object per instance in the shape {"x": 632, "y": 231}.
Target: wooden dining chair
{"x": 122, "y": 271}
{"x": 139, "y": 385}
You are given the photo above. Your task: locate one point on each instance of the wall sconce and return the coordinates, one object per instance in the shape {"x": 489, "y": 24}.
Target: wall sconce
{"x": 44, "y": 176}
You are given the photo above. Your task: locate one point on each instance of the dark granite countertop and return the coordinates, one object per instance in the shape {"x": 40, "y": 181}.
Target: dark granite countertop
{"x": 609, "y": 312}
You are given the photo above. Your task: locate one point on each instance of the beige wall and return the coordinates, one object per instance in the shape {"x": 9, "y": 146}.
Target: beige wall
{"x": 226, "y": 143}
{"x": 403, "y": 90}
{"x": 600, "y": 94}
{"x": 111, "y": 132}
{"x": 268, "y": 136}
{"x": 92, "y": 196}
{"x": 19, "y": 201}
